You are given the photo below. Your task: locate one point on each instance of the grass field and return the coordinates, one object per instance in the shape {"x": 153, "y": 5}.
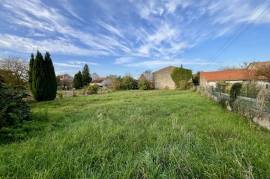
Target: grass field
{"x": 137, "y": 134}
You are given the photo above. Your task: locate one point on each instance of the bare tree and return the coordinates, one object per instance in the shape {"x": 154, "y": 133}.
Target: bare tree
{"x": 263, "y": 71}
{"x": 17, "y": 66}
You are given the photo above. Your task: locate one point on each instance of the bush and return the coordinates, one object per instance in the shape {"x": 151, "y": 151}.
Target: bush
{"x": 13, "y": 108}
{"x": 115, "y": 83}
{"x": 250, "y": 90}
{"x": 92, "y": 89}
{"x": 235, "y": 91}
{"x": 144, "y": 84}
{"x": 181, "y": 77}
{"x": 129, "y": 83}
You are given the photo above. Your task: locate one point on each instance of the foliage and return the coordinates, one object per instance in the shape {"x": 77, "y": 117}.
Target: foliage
{"x": 263, "y": 71}
{"x": 250, "y": 89}
{"x": 144, "y": 84}
{"x": 223, "y": 87}
{"x": 31, "y": 64}
{"x": 181, "y": 77}
{"x": 196, "y": 79}
{"x": 235, "y": 91}
{"x": 129, "y": 83}
{"x": 144, "y": 134}
{"x": 92, "y": 89}
{"x": 77, "y": 80}
{"x": 64, "y": 82}
{"x": 14, "y": 72}
{"x": 115, "y": 83}
{"x": 43, "y": 82}
{"x": 13, "y": 108}
{"x": 86, "y": 77}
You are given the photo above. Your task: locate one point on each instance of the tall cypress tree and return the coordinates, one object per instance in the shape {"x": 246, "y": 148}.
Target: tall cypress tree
{"x": 77, "y": 81}
{"x": 86, "y": 77}
{"x": 31, "y": 63}
{"x": 43, "y": 78}
{"x": 38, "y": 78}
{"x": 51, "y": 78}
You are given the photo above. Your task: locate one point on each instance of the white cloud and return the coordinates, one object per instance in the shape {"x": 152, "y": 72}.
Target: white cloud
{"x": 176, "y": 62}
{"x": 22, "y": 44}
{"x": 124, "y": 60}
{"x": 74, "y": 64}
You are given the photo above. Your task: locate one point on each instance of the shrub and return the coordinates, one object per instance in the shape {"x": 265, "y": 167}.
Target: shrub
{"x": 129, "y": 83}
{"x": 223, "y": 103}
{"x": 196, "y": 79}
{"x": 115, "y": 83}
{"x": 223, "y": 87}
{"x": 92, "y": 89}
{"x": 60, "y": 95}
{"x": 250, "y": 90}
{"x": 235, "y": 91}
{"x": 13, "y": 108}
{"x": 181, "y": 77}
{"x": 144, "y": 84}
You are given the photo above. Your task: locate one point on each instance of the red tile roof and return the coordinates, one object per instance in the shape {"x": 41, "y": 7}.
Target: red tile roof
{"x": 228, "y": 75}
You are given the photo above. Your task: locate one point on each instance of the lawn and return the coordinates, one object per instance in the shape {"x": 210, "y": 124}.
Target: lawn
{"x": 137, "y": 134}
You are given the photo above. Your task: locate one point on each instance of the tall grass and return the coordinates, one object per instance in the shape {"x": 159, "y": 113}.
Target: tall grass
{"x": 156, "y": 134}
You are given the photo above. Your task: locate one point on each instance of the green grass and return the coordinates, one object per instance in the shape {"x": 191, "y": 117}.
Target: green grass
{"x": 136, "y": 134}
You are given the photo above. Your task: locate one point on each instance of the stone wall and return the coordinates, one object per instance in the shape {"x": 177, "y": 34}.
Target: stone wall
{"x": 163, "y": 80}
{"x": 243, "y": 105}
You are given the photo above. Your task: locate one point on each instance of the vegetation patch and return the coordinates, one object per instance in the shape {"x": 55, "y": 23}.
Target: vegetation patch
{"x": 147, "y": 134}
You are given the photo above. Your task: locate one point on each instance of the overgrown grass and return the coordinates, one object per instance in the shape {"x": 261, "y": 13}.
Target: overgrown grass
{"x": 137, "y": 134}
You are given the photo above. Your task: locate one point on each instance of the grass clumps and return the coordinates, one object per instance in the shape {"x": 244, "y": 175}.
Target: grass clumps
{"x": 142, "y": 134}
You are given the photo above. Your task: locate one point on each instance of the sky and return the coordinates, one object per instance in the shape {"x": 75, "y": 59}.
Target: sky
{"x": 130, "y": 36}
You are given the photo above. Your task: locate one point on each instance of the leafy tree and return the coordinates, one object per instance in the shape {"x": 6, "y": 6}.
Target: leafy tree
{"x": 86, "y": 77}
{"x": 181, "y": 77}
{"x": 129, "y": 83}
{"x": 43, "y": 78}
{"x": 77, "y": 81}
{"x": 113, "y": 82}
{"x": 144, "y": 84}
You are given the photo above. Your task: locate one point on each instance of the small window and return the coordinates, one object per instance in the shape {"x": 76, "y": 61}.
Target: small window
{"x": 266, "y": 86}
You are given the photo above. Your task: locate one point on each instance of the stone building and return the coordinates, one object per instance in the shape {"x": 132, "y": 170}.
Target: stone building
{"x": 162, "y": 78}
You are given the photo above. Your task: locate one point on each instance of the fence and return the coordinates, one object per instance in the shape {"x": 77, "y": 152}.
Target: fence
{"x": 245, "y": 106}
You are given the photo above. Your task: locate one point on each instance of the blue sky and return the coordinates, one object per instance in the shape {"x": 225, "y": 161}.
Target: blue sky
{"x": 131, "y": 36}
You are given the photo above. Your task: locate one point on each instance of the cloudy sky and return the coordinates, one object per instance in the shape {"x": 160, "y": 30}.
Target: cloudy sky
{"x": 131, "y": 36}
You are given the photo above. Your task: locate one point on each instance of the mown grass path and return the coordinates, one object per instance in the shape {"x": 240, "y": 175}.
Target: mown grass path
{"x": 137, "y": 134}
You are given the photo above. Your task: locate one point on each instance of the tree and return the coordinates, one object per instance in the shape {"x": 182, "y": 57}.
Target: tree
{"x": 13, "y": 108}
{"x": 14, "y": 71}
{"x": 86, "y": 77}
{"x": 129, "y": 83}
{"x": 263, "y": 71}
{"x": 51, "y": 78}
{"x": 181, "y": 77}
{"x": 44, "y": 84}
{"x": 77, "y": 81}
{"x": 31, "y": 63}
{"x": 144, "y": 84}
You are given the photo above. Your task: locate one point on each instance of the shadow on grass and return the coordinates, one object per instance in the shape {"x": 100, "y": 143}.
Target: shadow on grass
{"x": 26, "y": 129}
